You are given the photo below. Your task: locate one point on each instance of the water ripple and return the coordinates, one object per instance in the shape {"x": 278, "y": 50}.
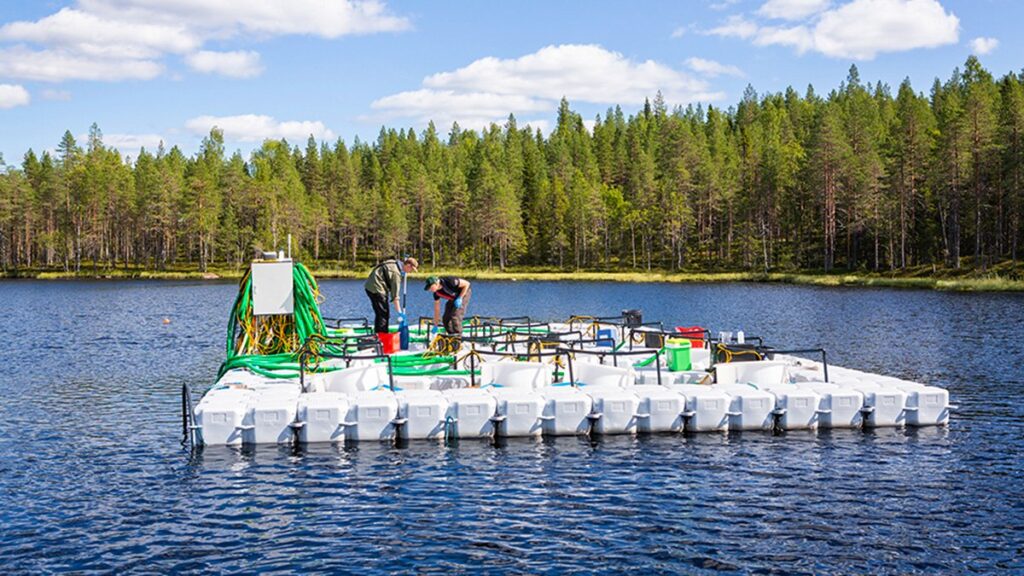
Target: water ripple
{"x": 92, "y": 478}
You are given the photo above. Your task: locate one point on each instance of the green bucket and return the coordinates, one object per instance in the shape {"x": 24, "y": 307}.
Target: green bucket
{"x": 678, "y": 351}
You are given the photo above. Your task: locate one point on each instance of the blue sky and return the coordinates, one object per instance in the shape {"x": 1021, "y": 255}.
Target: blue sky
{"x": 155, "y": 70}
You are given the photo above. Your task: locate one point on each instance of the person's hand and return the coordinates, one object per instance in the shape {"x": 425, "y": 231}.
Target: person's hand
{"x": 433, "y": 330}
{"x": 401, "y": 317}
{"x": 458, "y": 302}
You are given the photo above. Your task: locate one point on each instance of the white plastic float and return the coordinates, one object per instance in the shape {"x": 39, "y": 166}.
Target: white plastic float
{"x": 567, "y": 411}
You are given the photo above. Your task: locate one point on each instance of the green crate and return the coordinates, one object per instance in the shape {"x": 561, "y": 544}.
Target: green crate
{"x": 678, "y": 351}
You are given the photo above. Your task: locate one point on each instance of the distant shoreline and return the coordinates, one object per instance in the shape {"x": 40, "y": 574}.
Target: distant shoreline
{"x": 971, "y": 281}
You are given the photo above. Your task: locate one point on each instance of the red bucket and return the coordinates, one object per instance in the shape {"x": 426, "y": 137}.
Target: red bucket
{"x": 695, "y": 334}
{"x": 389, "y": 341}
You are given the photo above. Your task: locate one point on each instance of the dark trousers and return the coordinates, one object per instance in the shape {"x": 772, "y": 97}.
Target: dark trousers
{"x": 453, "y": 316}
{"x": 381, "y": 311}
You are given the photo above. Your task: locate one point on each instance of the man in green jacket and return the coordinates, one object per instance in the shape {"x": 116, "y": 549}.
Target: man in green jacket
{"x": 384, "y": 284}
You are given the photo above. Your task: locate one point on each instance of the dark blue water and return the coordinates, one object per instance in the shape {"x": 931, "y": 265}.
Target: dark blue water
{"x": 93, "y": 479}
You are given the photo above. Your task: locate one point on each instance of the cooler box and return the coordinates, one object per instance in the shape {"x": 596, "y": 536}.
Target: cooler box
{"x": 678, "y": 351}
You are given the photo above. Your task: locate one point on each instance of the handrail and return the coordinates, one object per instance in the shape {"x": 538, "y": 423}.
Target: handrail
{"x": 474, "y": 354}
{"x": 188, "y": 417}
{"x": 733, "y": 340}
{"x": 319, "y": 347}
{"x": 570, "y": 353}
{"x": 362, "y": 320}
{"x": 824, "y": 356}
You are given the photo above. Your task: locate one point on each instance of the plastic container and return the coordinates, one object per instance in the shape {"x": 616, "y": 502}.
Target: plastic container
{"x": 220, "y": 415}
{"x": 632, "y": 318}
{"x": 749, "y": 408}
{"x": 614, "y": 410}
{"x": 470, "y": 412}
{"x": 926, "y": 405}
{"x": 390, "y": 341}
{"x": 706, "y": 408}
{"x": 371, "y": 416}
{"x": 422, "y": 414}
{"x": 322, "y": 417}
{"x": 678, "y": 351}
{"x": 271, "y": 414}
{"x": 695, "y": 334}
{"x": 589, "y": 374}
{"x": 528, "y": 375}
{"x": 519, "y": 411}
{"x": 566, "y": 411}
{"x": 660, "y": 409}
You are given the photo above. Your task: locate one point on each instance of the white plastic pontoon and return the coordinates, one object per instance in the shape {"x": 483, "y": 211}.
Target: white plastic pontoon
{"x": 582, "y": 388}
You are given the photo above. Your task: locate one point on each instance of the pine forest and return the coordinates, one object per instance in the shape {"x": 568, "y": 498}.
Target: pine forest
{"x": 864, "y": 178}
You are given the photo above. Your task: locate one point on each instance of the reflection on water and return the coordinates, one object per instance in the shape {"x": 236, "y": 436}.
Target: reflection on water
{"x": 92, "y": 477}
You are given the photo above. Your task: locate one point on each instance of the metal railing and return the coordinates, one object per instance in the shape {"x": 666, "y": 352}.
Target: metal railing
{"x": 189, "y": 428}
{"x": 615, "y": 354}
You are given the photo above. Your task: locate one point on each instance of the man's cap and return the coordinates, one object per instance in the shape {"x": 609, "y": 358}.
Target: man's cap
{"x": 412, "y": 262}
{"x": 431, "y": 280}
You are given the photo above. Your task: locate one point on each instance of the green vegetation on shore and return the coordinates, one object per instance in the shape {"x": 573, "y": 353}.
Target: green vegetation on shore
{"x": 866, "y": 183}
{"x": 1001, "y": 278}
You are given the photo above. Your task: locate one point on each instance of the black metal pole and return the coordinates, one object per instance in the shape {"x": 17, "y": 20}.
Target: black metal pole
{"x": 184, "y": 413}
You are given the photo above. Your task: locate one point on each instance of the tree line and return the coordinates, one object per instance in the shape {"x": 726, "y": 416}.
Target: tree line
{"x": 858, "y": 179}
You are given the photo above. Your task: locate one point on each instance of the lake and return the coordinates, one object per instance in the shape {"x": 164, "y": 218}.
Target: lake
{"x": 93, "y": 477}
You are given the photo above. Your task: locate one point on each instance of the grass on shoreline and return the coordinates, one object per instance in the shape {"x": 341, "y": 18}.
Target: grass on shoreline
{"x": 999, "y": 278}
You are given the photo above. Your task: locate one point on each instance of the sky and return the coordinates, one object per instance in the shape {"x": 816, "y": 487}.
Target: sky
{"x": 152, "y": 71}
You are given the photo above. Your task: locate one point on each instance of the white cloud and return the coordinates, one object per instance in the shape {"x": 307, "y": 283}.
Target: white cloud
{"x": 89, "y": 34}
{"x": 129, "y": 145}
{"x": 324, "y": 18}
{"x": 712, "y": 69}
{"x": 543, "y": 125}
{"x": 257, "y": 128}
{"x": 12, "y": 95}
{"x": 798, "y": 37}
{"x": 120, "y": 39}
{"x": 586, "y": 73}
{"x": 723, "y": 4}
{"x": 489, "y": 89}
{"x": 470, "y": 109}
{"x": 59, "y": 65}
{"x": 238, "y": 64}
{"x": 860, "y": 29}
{"x": 983, "y": 45}
{"x": 56, "y": 95}
{"x": 735, "y": 26}
{"x": 792, "y": 9}
{"x": 863, "y": 28}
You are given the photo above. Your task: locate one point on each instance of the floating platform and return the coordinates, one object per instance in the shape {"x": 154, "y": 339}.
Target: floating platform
{"x": 518, "y": 378}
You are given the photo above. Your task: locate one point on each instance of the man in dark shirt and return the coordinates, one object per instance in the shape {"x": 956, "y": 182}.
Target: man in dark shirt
{"x": 456, "y": 291}
{"x": 384, "y": 285}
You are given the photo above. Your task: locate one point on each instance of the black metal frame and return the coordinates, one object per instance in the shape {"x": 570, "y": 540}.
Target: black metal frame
{"x": 570, "y": 352}
{"x": 189, "y": 427}
{"x": 306, "y": 353}
{"x": 515, "y": 355}
{"x": 824, "y": 356}
{"x": 362, "y": 320}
